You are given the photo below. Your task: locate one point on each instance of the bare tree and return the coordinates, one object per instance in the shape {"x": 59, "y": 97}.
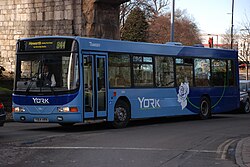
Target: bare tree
{"x": 125, "y": 9}
{"x": 159, "y": 29}
{"x": 150, "y": 7}
{"x": 244, "y": 45}
{"x": 159, "y": 5}
{"x": 244, "y": 48}
{"x": 186, "y": 30}
{"x": 226, "y": 39}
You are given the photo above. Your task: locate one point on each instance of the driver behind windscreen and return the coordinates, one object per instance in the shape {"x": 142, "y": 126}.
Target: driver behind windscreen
{"x": 48, "y": 77}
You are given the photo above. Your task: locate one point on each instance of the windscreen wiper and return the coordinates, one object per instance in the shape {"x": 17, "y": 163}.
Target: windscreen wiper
{"x": 33, "y": 79}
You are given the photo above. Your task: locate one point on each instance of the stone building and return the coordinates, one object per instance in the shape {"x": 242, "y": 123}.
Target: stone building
{"x": 27, "y": 18}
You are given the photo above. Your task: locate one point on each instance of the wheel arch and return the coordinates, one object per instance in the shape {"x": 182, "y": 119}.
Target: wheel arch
{"x": 122, "y": 112}
{"x": 207, "y": 98}
{"x": 125, "y": 99}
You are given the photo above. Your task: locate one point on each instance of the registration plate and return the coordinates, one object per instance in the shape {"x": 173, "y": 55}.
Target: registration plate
{"x": 41, "y": 120}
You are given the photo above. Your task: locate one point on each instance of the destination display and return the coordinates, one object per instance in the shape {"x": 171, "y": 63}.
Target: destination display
{"x": 46, "y": 45}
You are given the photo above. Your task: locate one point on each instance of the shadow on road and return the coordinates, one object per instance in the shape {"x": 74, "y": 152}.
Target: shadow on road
{"x": 102, "y": 125}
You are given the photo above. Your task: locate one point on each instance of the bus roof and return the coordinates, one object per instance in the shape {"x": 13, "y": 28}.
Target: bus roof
{"x": 108, "y": 45}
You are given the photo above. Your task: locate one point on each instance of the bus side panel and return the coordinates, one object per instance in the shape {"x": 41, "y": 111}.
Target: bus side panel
{"x": 222, "y": 99}
{"x": 152, "y": 102}
{"x": 147, "y": 103}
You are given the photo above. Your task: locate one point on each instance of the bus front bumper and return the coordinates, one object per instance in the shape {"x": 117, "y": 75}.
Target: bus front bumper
{"x": 52, "y": 118}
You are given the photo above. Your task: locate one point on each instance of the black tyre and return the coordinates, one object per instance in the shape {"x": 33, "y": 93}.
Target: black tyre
{"x": 121, "y": 114}
{"x": 246, "y": 107}
{"x": 205, "y": 108}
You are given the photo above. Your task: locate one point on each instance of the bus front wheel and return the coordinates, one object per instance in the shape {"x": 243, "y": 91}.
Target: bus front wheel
{"x": 121, "y": 114}
{"x": 205, "y": 108}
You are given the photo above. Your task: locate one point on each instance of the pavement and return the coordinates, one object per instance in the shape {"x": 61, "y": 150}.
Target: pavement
{"x": 242, "y": 155}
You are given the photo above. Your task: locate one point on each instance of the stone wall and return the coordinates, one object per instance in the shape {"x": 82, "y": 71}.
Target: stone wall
{"x": 27, "y": 18}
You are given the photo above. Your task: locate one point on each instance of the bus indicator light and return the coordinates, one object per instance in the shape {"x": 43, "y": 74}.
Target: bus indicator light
{"x": 114, "y": 93}
{"x": 73, "y": 109}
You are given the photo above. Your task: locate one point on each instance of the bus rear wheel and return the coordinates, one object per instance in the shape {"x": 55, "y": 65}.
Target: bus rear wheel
{"x": 246, "y": 107}
{"x": 205, "y": 108}
{"x": 121, "y": 114}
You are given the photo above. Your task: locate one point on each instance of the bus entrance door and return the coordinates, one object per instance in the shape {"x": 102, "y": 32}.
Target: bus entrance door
{"x": 95, "y": 81}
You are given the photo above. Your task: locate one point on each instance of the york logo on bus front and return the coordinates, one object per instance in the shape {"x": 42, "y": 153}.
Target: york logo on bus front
{"x": 149, "y": 103}
{"x": 40, "y": 100}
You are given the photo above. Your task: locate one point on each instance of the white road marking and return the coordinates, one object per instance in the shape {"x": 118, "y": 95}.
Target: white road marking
{"x": 118, "y": 148}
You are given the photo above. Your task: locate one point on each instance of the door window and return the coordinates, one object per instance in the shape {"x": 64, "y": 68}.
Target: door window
{"x": 101, "y": 90}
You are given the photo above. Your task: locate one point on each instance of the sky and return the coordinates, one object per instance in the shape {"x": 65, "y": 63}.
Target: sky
{"x": 214, "y": 16}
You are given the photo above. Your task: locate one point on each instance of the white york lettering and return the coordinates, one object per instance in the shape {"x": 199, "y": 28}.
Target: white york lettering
{"x": 146, "y": 103}
{"x": 157, "y": 104}
{"x": 40, "y": 100}
{"x": 152, "y": 102}
{"x": 140, "y": 100}
{"x": 149, "y": 103}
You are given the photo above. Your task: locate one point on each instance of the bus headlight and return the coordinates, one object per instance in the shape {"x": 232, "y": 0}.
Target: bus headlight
{"x": 67, "y": 109}
{"x": 63, "y": 109}
{"x": 18, "y": 109}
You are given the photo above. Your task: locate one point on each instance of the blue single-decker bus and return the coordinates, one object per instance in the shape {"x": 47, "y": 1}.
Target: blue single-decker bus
{"x": 112, "y": 80}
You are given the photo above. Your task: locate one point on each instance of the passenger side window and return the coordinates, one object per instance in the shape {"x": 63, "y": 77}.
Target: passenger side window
{"x": 164, "y": 70}
{"x": 231, "y": 73}
{"x": 184, "y": 71}
{"x": 202, "y": 72}
{"x": 143, "y": 71}
{"x": 219, "y": 71}
{"x": 119, "y": 70}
